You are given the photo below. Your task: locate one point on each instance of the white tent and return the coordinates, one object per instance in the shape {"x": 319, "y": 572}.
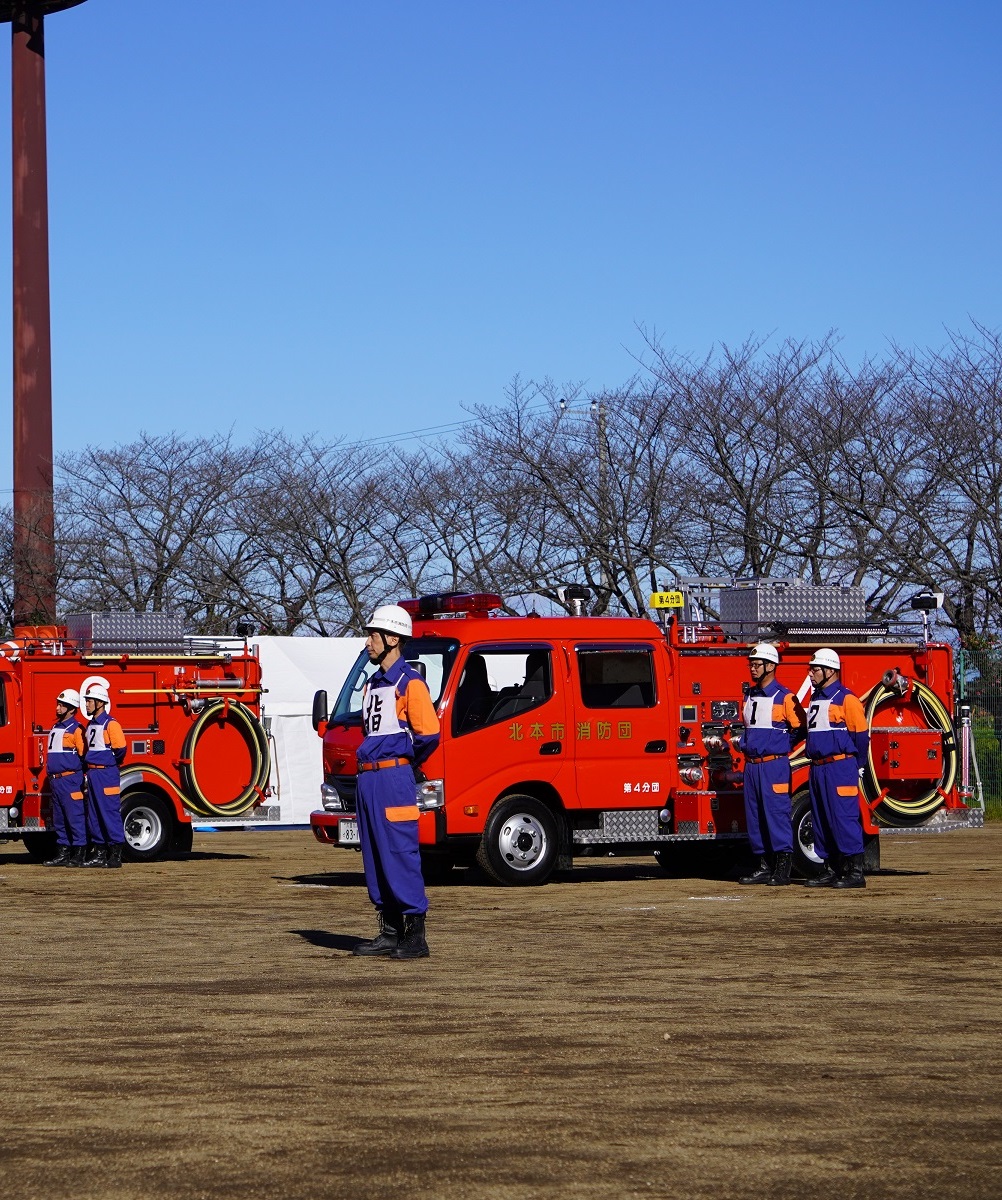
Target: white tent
{"x": 292, "y": 669}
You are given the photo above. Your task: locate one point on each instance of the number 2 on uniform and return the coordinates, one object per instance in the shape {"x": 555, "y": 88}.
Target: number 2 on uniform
{"x": 812, "y": 722}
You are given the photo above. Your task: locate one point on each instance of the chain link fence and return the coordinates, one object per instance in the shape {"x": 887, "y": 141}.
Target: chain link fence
{"x": 979, "y": 682}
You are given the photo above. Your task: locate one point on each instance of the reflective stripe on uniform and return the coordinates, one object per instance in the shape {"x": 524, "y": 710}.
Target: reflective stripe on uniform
{"x": 406, "y": 812}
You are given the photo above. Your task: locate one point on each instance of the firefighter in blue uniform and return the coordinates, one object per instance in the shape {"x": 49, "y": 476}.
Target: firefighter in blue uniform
{"x": 838, "y": 744}
{"x": 401, "y": 729}
{"x": 64, "y": 767}
{"x": 774, "y": 724}
{"x": 104, "y": 751}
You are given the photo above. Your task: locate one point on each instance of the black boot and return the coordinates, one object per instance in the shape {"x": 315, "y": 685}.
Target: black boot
{"x": 390, "y": 927}
{"x": 62, "y": 858}
{"x": 76, "y": 857}
{"x": 97, "y": 856}
{"x": 852, "y": 876}
{"x": 761, "y": 874}
{"x": 114, "y": 856}
{"x": 784, "y": 865}
{"x": 412, "y": 944}
{"x": 827, "y": 878}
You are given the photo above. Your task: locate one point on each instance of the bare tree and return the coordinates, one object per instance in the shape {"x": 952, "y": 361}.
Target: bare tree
{"x": 753, "y": 461}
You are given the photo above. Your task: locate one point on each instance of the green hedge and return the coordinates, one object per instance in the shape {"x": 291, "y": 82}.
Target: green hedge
{"x": 989, "y": 755}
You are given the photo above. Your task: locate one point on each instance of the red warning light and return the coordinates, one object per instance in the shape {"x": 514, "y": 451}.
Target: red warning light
{"x": 454, "y": 604}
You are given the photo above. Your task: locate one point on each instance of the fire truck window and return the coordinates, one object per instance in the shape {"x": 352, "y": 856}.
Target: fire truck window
{"x": 616, "y": 678}
{"x": 497, "y": 685}
{"x": 432, "y": 658}
{"x": 3, "y": 701}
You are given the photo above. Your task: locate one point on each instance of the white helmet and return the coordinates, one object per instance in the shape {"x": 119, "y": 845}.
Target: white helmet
{"x": 764, "y": 651}
{"x": 69, "y": 696}
{"x": 96, "y": 692}
{"x": 391, "y": 618}
{"x": 826, "y": 658}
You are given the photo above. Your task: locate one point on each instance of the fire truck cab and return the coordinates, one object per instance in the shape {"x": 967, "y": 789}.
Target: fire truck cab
{"x": 576, "y": 735}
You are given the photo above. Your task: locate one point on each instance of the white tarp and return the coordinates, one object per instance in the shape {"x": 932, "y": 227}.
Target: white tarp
{"x": 292, "y": 669}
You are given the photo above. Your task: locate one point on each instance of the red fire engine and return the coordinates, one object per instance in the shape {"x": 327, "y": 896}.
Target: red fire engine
{"x": 195, "y": 746}
{"x": 576, "y": 735}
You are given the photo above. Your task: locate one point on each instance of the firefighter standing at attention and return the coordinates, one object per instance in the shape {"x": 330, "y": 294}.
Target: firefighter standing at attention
{"x": 104, "y": 751}
{"x": 838, "y": 743}
{"x": 64, "y": 767}
{"x": 401, "y": 729}
{"x": 774, "y": 724}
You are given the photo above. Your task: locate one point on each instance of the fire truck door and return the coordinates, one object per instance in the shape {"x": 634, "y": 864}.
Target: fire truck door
{"x": 10, "y": 771}
{"x": 507, "y": 723}
{"x": 620, "y": 731}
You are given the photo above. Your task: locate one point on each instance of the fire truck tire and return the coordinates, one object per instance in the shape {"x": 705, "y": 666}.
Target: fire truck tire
{"x": 183, "y": 838}
{"x": 871, "y": 853}
{"x": 149, "y": 827}
{"x": 805, "y": 859}
{"x": 519, "y": 846}
{"x": 40, "y": 846}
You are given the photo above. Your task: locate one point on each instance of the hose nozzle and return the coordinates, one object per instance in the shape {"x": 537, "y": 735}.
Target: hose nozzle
{"x": 894, "y": 681}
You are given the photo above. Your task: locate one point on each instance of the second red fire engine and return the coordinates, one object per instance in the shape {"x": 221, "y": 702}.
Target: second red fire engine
{"x": 577, "y": 735}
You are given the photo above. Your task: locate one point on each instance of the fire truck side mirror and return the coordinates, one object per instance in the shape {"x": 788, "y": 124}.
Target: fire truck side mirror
{"x": 320, "y": 709}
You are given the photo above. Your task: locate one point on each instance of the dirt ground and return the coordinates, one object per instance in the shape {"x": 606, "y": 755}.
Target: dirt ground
{"x": 200, "y": 1029}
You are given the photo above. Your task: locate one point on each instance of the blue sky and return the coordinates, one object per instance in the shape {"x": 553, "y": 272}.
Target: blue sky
{"x": 359, "y": 218}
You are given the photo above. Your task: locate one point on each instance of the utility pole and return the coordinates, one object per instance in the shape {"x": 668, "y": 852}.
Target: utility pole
{"x": 604, "y": 539}
{"x": 34, "y": 526}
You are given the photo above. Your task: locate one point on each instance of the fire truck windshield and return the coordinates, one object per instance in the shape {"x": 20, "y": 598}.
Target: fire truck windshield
{"x": 432, "y": 657}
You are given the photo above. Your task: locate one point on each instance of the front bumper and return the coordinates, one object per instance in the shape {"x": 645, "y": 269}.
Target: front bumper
{"x": 326, "y": 828}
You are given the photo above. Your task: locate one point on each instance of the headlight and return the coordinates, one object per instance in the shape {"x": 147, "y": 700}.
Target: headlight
{"x": 330, "y": 799}
{"x": 430, "y": 794}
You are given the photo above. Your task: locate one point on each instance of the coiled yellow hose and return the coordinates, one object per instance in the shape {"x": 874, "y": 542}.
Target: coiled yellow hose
{"x": 239, "y": 714}
{"x": 913, "y": 810}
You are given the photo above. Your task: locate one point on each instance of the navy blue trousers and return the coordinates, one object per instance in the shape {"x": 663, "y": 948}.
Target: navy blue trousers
{"x": 388, "y": 833}
{"x": 68, "y": 809}
{"x": 104, "y": 806}
{"x": 834, "y": 791}
{"x": 767, "y": 806}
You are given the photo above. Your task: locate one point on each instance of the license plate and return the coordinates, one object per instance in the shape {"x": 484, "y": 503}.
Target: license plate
{"x": 347, "y": 833}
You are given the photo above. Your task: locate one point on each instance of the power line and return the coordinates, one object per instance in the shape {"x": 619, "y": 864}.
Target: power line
{"x": 410, "y": 435}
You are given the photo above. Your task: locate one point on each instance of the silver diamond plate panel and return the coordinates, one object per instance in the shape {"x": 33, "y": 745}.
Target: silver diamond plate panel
{"x": 107, "y": 632}
{"x": 744, "y": 608}
{"x": 944, "y": 821}
{"x": 635, "y": 825}
{"x": 4, "y": 818}
{"x": 270, "y": 815}
{"x": 622, "y": 825}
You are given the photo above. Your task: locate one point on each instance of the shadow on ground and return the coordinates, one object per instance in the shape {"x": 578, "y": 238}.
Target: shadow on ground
{"x": 328, "y": 941}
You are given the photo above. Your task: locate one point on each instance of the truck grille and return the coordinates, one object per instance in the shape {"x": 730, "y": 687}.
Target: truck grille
{"x": 347, "y": 787}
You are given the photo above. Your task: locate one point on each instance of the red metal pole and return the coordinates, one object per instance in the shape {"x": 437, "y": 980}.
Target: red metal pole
{"x": 34, "y": 544}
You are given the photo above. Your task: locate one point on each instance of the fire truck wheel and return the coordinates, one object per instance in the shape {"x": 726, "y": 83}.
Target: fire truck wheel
{"x": 805, "y": 858}
{"x": 149, "y": 826}
{"x": 40, "y": 846}
{"x": 519, "y": 846}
